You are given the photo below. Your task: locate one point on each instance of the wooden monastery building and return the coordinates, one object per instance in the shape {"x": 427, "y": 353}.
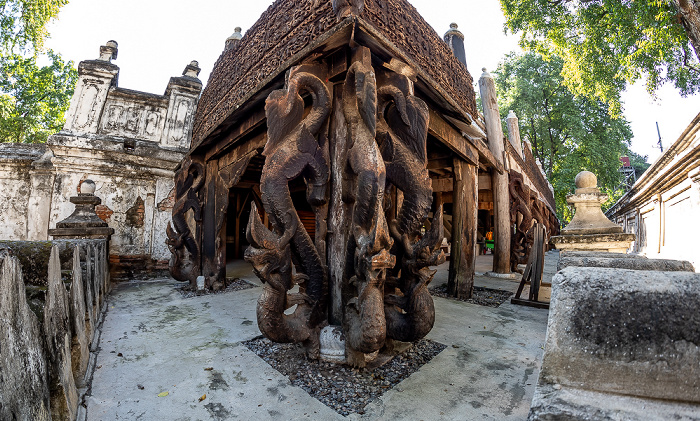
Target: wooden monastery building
{"x": 354, "y": 120}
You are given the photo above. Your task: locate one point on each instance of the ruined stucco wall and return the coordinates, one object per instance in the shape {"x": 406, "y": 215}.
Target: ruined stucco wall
{"x": 128, "y": 142}
{"x": 15, "y": 187}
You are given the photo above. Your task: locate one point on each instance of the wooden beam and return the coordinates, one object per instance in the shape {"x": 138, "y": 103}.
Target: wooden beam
{"x": 451, "y": 138}
{"x": 460, "y": 282}
{"x": 442, "y": 184}
{"x": 254, "y": 120}
{"x": 469, "y": 149}
{"x": 435, "y": 164}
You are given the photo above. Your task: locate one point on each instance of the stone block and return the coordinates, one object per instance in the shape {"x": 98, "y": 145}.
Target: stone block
{"x": 600, "y": 254}
{"x": 625, "y": 263}
{"x": 80, "y": 349}
{"x": 64, "y": 394}
{"x": 621, "y": 332}
{"x": 24, "y": 390}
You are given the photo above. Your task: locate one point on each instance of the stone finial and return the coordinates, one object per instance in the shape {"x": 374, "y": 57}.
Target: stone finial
{"x": 586, "y": 180}
{"x": 88, "y": 187}
{"x": 108, "y": 52}
{"x": 192, "y": 69}
{"x": 590, "y": 230}
{"x": 454, "y": 31}
{"x": 455, "y": 40}
{"x": 83, "y": 222}
{"x": 234, "y": 39}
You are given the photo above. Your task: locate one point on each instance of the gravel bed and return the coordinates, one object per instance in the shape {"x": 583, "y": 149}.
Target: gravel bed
{"x": 343, "y": 388}
{"x": 483, "y": 296}
{"x": 232, "y": 284}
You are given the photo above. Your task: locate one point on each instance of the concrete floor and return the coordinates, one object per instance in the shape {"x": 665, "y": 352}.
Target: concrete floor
{"x": 154, "y": 341}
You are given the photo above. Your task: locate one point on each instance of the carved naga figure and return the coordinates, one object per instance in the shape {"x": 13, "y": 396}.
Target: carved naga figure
{"x": 519, "y": 204}
{"x": 370, "y": 242}
{"x": 402, "y": 132}
{"x": 291, "y": 152}
{"x": 271, "y": 258}
{"x": 184, "y": 263}
{"x": 410, "y": 312}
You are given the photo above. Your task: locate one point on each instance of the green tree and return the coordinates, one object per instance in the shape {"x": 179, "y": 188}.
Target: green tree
{"x": 34, "y": 99}
{"x": 568, "y": 134}
{"x": 606, "y": 44}
{"x": 23, "y": 24}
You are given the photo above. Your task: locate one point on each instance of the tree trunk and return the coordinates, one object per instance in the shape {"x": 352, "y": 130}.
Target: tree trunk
{"x": 690, "y": 18}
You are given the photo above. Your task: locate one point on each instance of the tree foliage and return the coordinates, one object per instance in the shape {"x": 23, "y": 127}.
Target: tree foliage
{"x": 33, "y": 98}
{"x": 606, "y": 44}
{"x": 568, "y": 134}
{"x": 23, "y": 23}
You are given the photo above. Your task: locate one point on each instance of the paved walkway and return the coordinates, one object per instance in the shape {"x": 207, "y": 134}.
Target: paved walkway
{"x": 155, "y": 341}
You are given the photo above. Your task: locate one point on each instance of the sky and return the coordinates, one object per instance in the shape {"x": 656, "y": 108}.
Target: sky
{"x": 157, "y": 39}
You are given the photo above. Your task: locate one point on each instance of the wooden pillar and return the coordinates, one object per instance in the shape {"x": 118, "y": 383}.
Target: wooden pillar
{"x": 499, "y": 182}
{"x": 339, "y": 215}
{"x": 213, "y": 237}
{"x": 465, "y": 208}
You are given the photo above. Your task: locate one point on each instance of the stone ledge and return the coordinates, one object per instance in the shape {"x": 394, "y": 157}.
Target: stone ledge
{"x": 634, "y": 263}
{"x": 624, "y": 331}
{"x": 563, "y": 403}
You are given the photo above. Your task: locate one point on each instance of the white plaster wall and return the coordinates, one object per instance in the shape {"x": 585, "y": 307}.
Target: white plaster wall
{"x": 130, "y": 116}
{"x": 15, "y": 187}
{"x": 162, "y": 215}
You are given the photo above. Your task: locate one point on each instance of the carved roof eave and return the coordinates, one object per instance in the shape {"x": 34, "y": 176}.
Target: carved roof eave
{"x": 450, "y": 107}
{"x": 332, "y": 38}
{"x": 341, "y": 34}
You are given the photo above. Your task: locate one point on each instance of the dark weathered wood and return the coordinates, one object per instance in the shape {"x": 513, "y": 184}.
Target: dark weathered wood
{"x": 442, "y": 184}
{"x": 210, "y": 234}
{"x": 453, "y": 139}
{"x": 533, "y": 271}
{"x": 464, "y": 221}
{"x": 494, "y": 131}
{"x": 253, "y": 121}
{"x": 339, "y": 210}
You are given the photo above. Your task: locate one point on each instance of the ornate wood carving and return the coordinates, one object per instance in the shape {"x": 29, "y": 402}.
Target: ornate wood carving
{"x": 182, "y": 242}
{"x": 384, "y": 288}
{"x": 287, "y": 27}
{"x": 292, "y": 151}
{"x": 521, "y": 217}
{"x": 526, "y": 208}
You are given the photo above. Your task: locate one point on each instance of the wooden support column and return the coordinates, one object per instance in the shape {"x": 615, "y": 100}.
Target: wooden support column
{"x": 464, "y": 221}
{"x": 210, "y": 235}
{"x": 501, "y": 199}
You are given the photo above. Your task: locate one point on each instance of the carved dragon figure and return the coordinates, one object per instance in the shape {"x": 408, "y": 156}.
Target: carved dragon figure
{"x": 184, "y": 262}
{"x": 291, "y": 152}
{"x": 410, "y": 312}
{"x": 271, "y": 257}
{"x": 370, "y": 243}
{"x": 519, "y": 204}
{"x": 402, "y": 132}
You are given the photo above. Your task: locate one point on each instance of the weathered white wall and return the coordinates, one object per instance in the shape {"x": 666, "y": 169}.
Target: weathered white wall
{"x": 128, "y": 142}
{"x": 15, "y": 187}
{"x": 662, "y": 208}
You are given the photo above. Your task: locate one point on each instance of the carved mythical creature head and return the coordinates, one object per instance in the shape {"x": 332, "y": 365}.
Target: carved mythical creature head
{"x": 268, "y": 252}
